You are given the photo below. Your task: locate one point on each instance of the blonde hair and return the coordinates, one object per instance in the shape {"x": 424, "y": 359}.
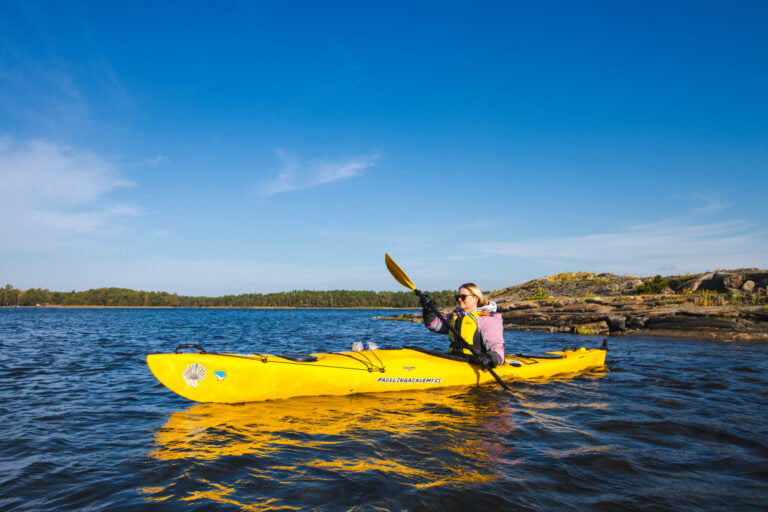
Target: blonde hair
{"x": 474, "y": 290}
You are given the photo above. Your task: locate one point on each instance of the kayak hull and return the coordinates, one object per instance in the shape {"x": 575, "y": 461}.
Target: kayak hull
{"x": 235, "y": 378}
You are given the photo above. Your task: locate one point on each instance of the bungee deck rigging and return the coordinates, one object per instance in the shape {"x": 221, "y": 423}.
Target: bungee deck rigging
{"x": 360, "y": 357}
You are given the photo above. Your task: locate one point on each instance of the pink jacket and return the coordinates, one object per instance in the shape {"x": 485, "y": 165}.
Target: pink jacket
{"x": 490, "y": 327}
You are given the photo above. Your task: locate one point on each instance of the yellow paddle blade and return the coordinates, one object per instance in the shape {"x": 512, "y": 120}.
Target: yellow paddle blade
{"x": 398, "y": 273}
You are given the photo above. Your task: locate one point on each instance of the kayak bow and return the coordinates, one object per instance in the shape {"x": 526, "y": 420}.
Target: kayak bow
{"x": 234, "y": 378}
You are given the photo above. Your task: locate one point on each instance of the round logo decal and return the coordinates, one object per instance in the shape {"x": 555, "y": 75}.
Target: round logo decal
{"x": 194, "y": 374}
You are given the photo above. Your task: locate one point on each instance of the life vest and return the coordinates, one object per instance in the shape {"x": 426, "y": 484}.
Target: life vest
{"x": 466, "y": 324}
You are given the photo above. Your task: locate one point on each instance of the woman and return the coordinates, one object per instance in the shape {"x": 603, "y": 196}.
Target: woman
{"x": 477, "y": 321}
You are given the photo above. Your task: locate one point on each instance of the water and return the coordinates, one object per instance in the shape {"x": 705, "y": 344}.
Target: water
{"x": 674, "y": 425}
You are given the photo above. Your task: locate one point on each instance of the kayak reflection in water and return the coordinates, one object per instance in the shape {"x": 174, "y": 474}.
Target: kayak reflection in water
{"x": 301, "y": 453}
{"x": 475, "y": 319}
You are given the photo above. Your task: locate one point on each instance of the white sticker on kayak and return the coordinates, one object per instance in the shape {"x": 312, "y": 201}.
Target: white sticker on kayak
{"x": 194, "y": 374}
{"x": 410, "y": 380}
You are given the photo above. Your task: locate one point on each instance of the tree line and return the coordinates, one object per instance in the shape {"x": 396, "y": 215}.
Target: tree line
{"x": 122, "y": 297}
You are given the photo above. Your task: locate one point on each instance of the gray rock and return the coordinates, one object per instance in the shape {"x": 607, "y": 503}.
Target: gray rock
{"x": 617, "y": 323}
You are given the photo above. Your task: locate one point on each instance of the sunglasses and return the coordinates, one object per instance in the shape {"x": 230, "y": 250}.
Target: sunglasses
{"x": 463, "y": 297}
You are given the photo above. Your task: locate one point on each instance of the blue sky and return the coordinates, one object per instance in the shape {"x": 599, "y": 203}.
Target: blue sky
{"x": 213, "y": 148}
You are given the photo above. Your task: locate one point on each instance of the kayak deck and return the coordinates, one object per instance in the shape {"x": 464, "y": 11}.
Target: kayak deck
{"x": 234, "y": 378}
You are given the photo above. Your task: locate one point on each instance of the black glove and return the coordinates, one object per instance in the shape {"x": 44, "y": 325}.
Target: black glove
{"x": 426, "y": 302}
{"x": 428, "y": 308}
{"x": 485, "y": 359}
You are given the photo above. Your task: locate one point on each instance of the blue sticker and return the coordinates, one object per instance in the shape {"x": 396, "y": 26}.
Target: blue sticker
{"x": 220, "y": 374}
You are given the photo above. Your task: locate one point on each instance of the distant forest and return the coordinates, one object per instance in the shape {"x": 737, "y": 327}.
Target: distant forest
{"x": 121, "y": 297}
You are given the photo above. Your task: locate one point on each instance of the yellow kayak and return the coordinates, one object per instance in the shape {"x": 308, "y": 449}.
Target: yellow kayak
{"x": 234, "y": 378}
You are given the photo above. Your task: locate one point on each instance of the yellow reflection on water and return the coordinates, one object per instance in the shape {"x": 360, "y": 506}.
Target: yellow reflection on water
{"x": 422, "y": 478}
{"x": 442, "y": 437}
{"x": 220, "y": 494}
{"x": 210, "y": 431}
{"x": 344, "y": 436}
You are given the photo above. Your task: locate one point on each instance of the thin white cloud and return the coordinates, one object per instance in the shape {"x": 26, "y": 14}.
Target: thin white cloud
{"x": 643, "y": 248}
{"x": 296, "y": 174}
{"x": 156, "y": 160}
{"x": 703, "y": 203}
{"x": 52, "y": 194}
{"x": 52, "y": 94}
{"x": 707, "y": 204}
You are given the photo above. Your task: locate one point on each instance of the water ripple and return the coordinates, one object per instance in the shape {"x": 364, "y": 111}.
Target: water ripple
{"x": 671, "y": 424}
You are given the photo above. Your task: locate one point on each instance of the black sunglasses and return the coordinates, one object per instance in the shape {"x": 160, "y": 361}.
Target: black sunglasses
{"x": 463, "y": 297}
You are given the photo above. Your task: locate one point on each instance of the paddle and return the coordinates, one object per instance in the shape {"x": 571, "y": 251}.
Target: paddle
{"x": 401, "y": 277}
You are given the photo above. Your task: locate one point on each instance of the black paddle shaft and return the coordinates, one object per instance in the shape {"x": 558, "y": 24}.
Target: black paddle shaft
{"x": 458, "y": 336}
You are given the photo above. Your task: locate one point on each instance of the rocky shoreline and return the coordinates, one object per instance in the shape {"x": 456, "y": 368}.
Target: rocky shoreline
{"x": 723, "y": 306}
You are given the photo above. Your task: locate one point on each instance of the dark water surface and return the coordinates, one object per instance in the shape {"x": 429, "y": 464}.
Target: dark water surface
{"x": 673, "y": 425}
